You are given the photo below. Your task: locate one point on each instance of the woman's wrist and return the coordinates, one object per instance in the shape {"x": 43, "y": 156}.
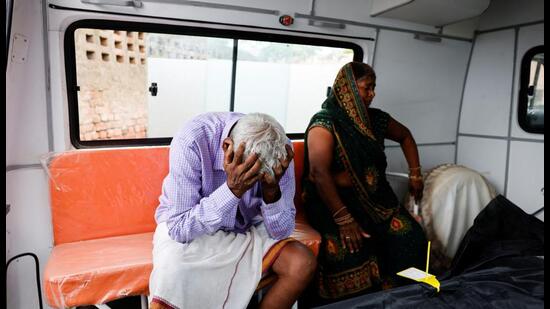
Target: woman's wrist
{"x": 344, "y": 220}
{"x": 340, "y": 210}
{"x": 341, "y": 216}
{"x": 415, "y": 173}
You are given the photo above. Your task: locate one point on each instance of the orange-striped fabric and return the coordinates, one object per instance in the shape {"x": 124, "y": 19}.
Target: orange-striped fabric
{"x": 268, "y": 277}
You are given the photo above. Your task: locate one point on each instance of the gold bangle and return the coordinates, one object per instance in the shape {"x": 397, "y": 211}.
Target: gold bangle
{"x": 415, "y": 168}
{"x": 338, "y": 211}
{"x": 411, "y": 177}
{"x": 344, "y": 219}
{"x": 348, "y": 221}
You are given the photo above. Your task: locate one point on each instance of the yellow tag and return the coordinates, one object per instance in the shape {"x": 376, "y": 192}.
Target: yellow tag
{"x": 421, "y": 276}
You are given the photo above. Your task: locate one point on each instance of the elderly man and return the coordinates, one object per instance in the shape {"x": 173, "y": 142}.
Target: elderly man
{"x": 225, "y": 215}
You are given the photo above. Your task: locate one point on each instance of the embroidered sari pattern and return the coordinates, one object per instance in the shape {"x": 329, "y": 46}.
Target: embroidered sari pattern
{"x": 349, "y": 282}
{"x": 358, "y": 134}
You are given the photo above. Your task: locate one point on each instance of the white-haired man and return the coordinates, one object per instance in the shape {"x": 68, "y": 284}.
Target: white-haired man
{"x": 225, "y": 214}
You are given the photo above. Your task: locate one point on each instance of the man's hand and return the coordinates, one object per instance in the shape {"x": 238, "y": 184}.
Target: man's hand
{"x": 271, "y": 192}
{"x": 241, "y": 176}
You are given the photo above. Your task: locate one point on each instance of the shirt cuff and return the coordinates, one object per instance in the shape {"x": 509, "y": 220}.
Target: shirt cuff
{"x": 273, "y": 209}
{"x": 227, "y": 203}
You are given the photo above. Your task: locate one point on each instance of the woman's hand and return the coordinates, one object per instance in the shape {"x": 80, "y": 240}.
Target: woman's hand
{"x": 416, "y": 187}
{"x": 351, "y": 236}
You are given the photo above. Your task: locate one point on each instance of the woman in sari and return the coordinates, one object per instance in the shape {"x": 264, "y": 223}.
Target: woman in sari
{"x": 367, "y": 236}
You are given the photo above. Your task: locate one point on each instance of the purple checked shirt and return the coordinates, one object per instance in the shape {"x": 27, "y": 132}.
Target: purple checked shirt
{"x": 195, "y": 198}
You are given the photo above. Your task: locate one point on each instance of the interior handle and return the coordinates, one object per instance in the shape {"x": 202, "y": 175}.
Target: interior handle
{"x": 134, "y": 3}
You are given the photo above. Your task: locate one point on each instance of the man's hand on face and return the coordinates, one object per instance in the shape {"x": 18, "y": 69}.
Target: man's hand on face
{"x": 241, "y": 176}
{"x": 271, "y": 191}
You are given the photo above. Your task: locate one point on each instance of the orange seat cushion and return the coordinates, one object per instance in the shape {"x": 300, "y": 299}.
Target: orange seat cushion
{"x": 103, "y": 204}
{"x": 303, "y": 232}
{"x": 99, "y": 270}
{"x": 105, "y": 192}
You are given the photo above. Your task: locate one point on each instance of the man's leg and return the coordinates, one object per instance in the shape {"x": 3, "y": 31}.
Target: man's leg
{"x": 294, "y": 268}
{"x": 157, "y": 306}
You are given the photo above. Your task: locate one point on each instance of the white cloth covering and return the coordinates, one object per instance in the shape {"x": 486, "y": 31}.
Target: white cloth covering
{"x": 453, "y": 196}
{"x": 213, "y": 271}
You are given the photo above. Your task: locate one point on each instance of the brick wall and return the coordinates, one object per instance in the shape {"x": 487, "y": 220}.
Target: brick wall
{"x": 112, "y": 76}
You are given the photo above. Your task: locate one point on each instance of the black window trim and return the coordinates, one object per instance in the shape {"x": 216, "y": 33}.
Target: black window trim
{"x": 70, "y": 66}
{"x": 525, "y": 70}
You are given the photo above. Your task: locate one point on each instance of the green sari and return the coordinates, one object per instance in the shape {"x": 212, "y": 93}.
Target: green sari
{"x": 397, "y": 240}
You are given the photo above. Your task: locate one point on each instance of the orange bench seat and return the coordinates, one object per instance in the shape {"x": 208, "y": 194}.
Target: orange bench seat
{"x": 103, "y": 204}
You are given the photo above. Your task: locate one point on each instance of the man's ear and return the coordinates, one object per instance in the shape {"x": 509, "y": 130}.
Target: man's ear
{"x": 226, "y": 143}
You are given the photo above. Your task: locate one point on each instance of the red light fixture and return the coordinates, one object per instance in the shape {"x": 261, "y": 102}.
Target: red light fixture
{"x": 286, "y": 20}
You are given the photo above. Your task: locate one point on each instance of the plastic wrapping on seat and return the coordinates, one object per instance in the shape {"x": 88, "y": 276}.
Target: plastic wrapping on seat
{"x": 103, "y": 203}
{"x": 106, "y": 192}
{"x": 303, "y": 232}
{"x": 307, "y": 235}
{"x": 99, "y": 270}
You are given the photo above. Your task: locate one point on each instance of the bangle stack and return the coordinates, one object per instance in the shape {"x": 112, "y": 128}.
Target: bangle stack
{"x": 415, "y": 177}
{"x": 338, "y": 211}
{"x": 343, "y": 220}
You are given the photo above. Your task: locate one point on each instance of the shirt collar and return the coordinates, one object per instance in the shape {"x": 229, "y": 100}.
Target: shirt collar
{"x": 231, "y": 120}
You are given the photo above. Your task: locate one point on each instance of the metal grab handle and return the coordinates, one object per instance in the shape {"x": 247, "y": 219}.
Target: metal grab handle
{"x": 134, "y": 3}
{"x": 37, "y": 271}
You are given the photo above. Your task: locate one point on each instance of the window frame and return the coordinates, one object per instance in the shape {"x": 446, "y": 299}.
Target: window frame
{"x": 71, "y": 80}
{"x": 525, "y": 70}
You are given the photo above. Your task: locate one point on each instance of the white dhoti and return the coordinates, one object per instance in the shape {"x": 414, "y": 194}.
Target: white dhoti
{"x": 213, "y": 271}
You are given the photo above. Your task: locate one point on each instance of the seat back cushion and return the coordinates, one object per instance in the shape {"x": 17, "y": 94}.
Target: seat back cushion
{"x": 105, "y": 192}
{"x": 114, "y": 192}
{"x": 298, "y": 172}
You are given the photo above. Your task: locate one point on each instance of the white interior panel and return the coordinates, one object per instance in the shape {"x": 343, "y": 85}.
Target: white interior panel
{"x": 21, "y": 276}
{"x": 528, "y": 37}
{"x": 430, "y": 156}
{"x": 486, "y": 103}
{"x": 60, "y": 108}
{"x": 28, "y": 229}
{"x": 463, "y": 29}
{"x": 174, "y": 10}
{"x": 26, "y": 124}
{"x": 525, "y": 176}
{"x": 502, "y": 13}
{"x": 419, "y": 83}
{"x": 486, "y": 156}
{"x": 359, "y": 10}
{"x": 422, "y": 11}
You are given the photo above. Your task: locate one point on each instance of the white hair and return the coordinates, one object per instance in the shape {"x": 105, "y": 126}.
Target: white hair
{"x": 263, "y": 135}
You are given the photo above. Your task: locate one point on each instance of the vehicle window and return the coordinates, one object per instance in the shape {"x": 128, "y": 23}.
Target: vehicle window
{"x": 531, "y": 94}
{"x": 287, "y": 81}
{"x": 130, "y": 86}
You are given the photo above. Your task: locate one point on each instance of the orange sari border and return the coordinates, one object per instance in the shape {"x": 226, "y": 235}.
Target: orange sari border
{"x": 267, "y": 262}
{"x": 163, "y": 302}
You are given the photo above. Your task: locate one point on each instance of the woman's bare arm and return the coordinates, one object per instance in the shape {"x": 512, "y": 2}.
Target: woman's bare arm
{"x": 399, "y": 133}
{"x": 320, "y": 143}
